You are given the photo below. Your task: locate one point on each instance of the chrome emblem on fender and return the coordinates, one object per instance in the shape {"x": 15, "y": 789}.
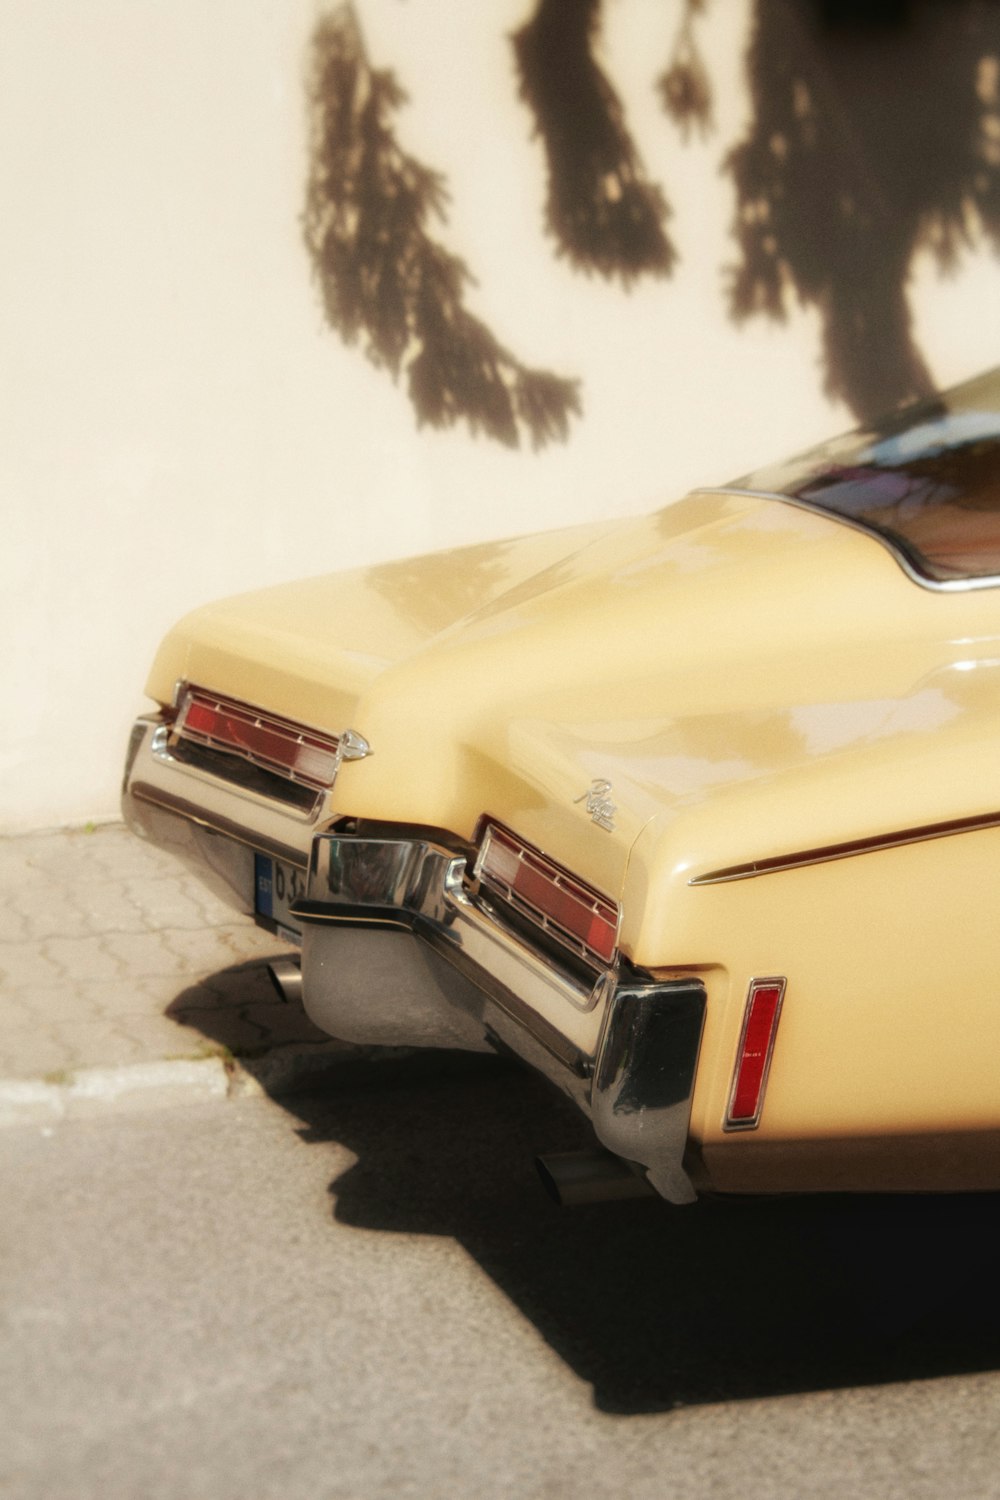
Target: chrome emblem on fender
{"x": 353, "y": 746}
{"x": 599, "y": 805}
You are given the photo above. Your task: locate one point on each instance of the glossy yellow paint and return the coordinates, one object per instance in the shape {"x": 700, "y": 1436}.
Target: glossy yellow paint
{"x": 695, "y": 659}
{"x": 311, "y": 648}
{"x": 889, "y": 1026}
{"x": 753, "y": 679}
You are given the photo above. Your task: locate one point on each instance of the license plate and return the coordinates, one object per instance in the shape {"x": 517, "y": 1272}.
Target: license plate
{"x": 276, "y": 886}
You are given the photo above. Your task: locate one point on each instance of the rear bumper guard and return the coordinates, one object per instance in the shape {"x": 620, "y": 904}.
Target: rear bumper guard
{"x": 397, "y": 950}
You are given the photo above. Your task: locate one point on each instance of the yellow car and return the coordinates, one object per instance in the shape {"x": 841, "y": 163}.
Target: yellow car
{"x": 697, "y": 814}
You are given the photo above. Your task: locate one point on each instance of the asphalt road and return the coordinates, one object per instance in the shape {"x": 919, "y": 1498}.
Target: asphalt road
{"x": 365, "y": 1294}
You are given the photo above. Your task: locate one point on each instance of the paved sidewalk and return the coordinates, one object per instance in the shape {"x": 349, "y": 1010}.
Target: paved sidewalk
{"x": 112, "y": 957}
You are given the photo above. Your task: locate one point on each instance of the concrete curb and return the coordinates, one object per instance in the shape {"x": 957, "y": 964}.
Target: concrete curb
{"x": 156, "y": 1085}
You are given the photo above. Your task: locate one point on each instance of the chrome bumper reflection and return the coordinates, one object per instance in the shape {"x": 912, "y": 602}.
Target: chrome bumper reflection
{"x": 212, "y": 825}
{"x": 397, "y": 950}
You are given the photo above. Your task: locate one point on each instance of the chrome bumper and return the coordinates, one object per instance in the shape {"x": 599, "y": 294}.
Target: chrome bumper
{"x": 397, "y": 950}
{"x": 212, "y": 826}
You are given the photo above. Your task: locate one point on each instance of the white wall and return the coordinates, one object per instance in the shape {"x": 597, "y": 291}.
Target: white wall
{"x": 177, "y": 421}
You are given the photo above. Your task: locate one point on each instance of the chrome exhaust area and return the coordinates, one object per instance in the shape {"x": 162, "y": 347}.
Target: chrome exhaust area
{"x": 286, "y": 976}
{"x": 572, "y": 1178}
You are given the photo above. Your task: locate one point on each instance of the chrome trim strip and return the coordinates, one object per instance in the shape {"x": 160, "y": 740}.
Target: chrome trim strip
{"x": 776, "y": 981}
{"x": 895, "y": 551}
{"x": 830, "y": 852}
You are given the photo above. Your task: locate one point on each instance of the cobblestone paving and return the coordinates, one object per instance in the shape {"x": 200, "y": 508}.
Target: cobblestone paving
{"x": 111, "y": 953}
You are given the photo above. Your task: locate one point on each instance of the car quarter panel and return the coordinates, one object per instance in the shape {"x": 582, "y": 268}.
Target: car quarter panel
{"x": 889, "y": 1029}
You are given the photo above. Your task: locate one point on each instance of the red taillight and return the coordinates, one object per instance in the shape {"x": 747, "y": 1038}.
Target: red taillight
{"x": 277, "y": 744}
{"x": 548, "y": 894}
{"x": 760, "y": 1024}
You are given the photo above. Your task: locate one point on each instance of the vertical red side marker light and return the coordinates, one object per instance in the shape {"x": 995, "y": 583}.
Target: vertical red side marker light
{"x": 753, "y": 1059}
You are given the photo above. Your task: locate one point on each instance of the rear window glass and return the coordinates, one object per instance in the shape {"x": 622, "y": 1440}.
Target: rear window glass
{"x": 927, "y": 482}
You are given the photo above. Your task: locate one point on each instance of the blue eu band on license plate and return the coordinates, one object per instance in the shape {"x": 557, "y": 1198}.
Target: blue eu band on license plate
{"x": 277, "y": 886}
{"x": 264, "y": 884}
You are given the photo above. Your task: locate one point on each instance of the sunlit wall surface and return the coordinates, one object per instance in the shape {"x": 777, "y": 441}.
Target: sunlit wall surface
{"x": 652, "y": 245}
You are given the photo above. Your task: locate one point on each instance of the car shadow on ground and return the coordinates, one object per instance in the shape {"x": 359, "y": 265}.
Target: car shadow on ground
{"x": 656, "y": 1306}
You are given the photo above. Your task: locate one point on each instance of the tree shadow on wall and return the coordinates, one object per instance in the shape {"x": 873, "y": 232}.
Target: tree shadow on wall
{"x": 387, "y": 283}
{"x": 875, "y": 135}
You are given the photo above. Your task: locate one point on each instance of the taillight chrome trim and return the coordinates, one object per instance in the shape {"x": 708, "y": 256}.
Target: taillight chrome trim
{"x": 751, "y": 1121}
{"x": 564, "y": 881}
{"x": 286, "y": 748}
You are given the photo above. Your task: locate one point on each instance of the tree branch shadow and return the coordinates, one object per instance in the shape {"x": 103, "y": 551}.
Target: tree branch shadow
{"x": 874, "y": 138}
{"x": 603, "y": 212}
{"x": 386, "y": 282}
